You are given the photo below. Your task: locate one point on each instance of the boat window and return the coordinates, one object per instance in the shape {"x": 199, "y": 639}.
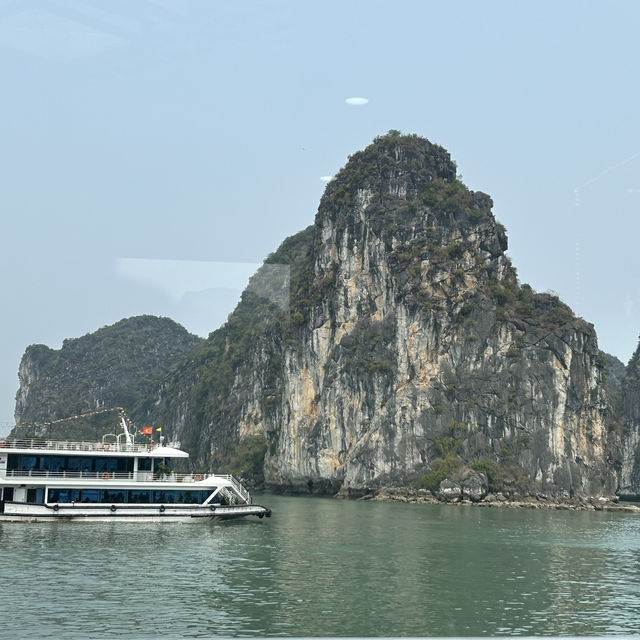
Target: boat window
{"x": 35, "y": 495}
{"x": 63, "y": 495}
{"x": 105, "y": 464}
{"x": 140, "y": 496}
{"x": 205, "y": 493}
{"x": 163, "y": 495}
{"x": 90, "y": 495}
{"x": 124, "y": 465}
{"x": 117, "y": 496}
{"x": 144, "y": 464}
{"x": 73, "y": 464}
{"x": 85, "y": 465}
{"x": 27, "y": 463}
{"x": 79, "y": 463}
{"x": 53, "y": 463}
{"x": 182, "y": 496}
{"x": 8, "y": 494}
{"x": 187, "y": 497}
{"x": 21, "y": 462}
{"x": 191, "y": 496}
{"x": 114, "y": 495}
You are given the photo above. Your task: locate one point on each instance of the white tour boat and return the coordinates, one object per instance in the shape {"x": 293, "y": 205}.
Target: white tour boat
{"x": 116, "y": 479}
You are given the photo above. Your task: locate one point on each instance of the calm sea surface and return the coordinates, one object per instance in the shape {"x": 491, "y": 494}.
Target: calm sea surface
{"x": 326, "y": 567}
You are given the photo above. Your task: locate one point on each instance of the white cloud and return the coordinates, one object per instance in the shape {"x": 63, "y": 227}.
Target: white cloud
{"x": 357, "y": 102}
{"x": 326, "y": 178}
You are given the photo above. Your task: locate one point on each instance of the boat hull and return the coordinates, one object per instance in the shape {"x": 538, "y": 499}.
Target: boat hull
{"x": 14, "y": 512}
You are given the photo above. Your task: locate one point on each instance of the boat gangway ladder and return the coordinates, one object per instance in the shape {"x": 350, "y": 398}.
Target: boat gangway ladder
{"x": 239, "y": 488}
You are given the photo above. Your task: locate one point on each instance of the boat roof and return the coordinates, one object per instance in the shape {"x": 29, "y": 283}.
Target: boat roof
{"x": 167, "y": 452}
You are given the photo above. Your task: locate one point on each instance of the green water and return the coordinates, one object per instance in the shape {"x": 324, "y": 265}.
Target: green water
{"x": 322, "y": 567}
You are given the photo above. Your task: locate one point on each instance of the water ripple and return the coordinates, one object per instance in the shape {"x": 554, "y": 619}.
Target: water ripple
{"x": 326, "y": 567}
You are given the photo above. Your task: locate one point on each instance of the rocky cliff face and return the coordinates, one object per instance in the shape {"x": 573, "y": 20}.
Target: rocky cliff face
{"x": 409, "y": 351}
{"x": 630, "y": 473}
{"x": 120, "y": 365}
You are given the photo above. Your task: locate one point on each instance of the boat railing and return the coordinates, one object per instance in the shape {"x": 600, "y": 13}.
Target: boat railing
{"x": 238, "y": 487}
{"x": 118, "y": 476}
{"x": 68, "y": 445}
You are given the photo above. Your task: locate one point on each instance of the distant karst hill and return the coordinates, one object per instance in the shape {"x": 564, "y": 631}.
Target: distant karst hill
{"x": 120, "y": 365}
{"x": 408, "y": 354}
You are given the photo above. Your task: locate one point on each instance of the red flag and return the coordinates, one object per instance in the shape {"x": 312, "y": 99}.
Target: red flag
{"x": 147, "y": 430}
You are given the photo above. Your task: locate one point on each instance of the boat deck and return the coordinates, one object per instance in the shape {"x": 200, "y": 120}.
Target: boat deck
{"x": 115, "y": 476}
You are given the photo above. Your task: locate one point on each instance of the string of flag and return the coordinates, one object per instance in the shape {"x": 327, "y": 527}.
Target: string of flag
{"x": 76, "y": 416}
{"x": 95, "y": 412}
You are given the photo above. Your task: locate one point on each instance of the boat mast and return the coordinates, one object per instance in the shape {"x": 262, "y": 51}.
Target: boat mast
{"x": 125, "y": 427}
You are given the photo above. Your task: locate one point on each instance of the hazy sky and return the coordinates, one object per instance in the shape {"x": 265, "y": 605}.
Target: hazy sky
{"x": 140, "y": 134}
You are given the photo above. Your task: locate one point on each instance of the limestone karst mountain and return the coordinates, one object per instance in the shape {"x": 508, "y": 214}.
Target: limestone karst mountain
{"x": 399, "y": 347}
{"x": 409, "y": 352}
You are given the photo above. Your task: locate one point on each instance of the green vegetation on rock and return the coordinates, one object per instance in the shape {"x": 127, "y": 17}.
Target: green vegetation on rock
{"x": 120, "y": 365}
